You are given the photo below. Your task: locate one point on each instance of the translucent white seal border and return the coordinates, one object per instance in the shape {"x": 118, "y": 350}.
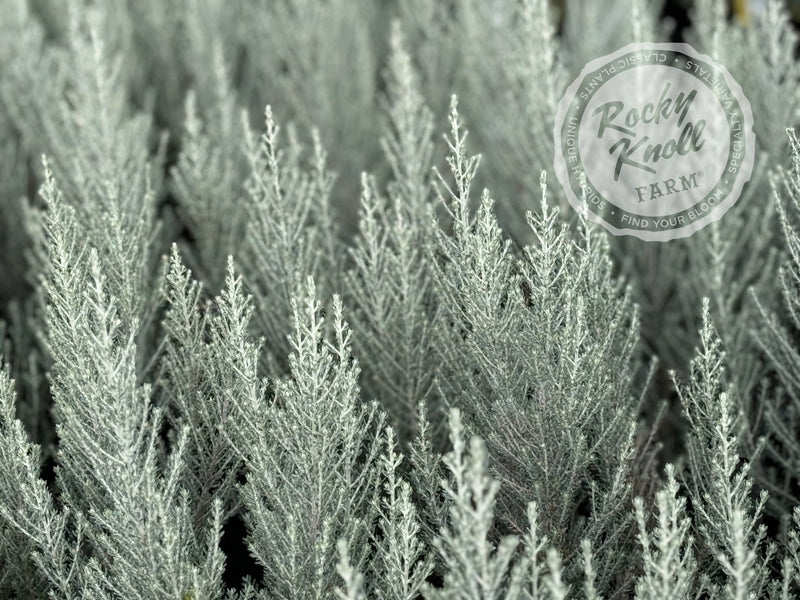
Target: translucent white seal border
{"x": 742, "y": 177}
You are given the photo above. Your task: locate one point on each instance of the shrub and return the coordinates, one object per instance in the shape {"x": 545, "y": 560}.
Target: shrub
{"x": 311, "y": 351}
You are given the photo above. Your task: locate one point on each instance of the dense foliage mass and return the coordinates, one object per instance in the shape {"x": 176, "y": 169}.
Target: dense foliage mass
{"x": 339, "y": 348}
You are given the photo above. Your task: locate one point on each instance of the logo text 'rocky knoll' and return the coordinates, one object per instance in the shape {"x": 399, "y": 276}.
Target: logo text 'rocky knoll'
{"x": 654, "y": 140}
{"x": 627, "y": 149}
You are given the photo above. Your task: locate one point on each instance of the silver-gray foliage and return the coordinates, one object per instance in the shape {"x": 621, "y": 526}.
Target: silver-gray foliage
{"x": 395, "y": 360}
